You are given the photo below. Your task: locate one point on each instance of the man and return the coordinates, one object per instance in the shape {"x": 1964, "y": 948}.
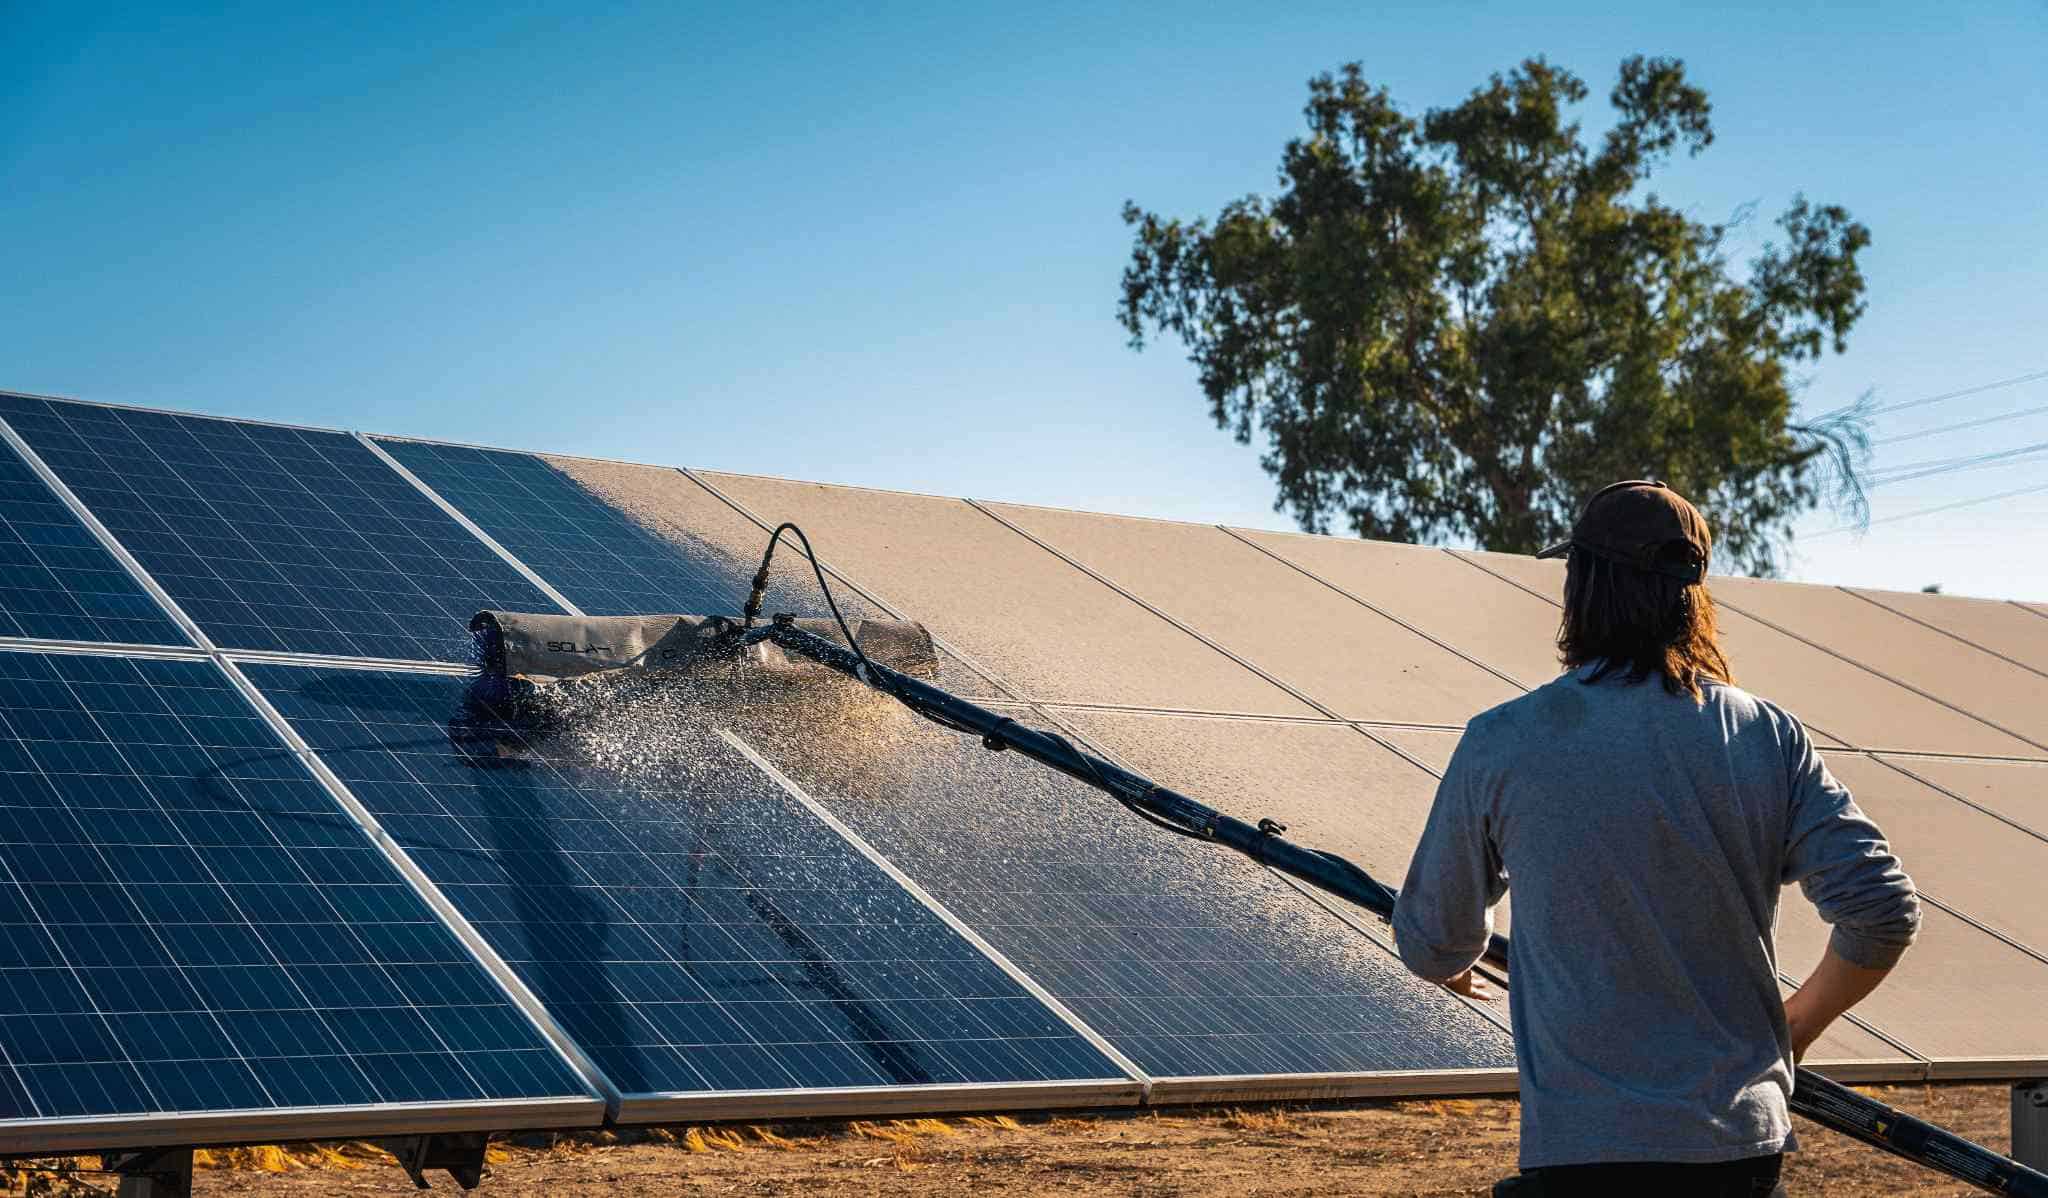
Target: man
{"x": 1648, "y": 812}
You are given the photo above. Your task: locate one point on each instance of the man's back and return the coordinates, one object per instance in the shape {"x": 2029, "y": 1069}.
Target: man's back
{"x": 1647, "y": 835}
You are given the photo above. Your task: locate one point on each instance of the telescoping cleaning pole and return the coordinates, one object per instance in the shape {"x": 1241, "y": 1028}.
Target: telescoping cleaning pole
{"x": 1825, "y": 1102}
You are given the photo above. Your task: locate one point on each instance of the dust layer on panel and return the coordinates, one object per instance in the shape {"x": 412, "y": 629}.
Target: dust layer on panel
{"x": 1959, "y": 992}
{"x": 2015, "y": 791}
{"x": 1347, "y": 657}
{"x": 1192, "y": 960}
{"x": 276, "y": 538}
{"x": 1334, "y": 789}
{"x": 2010, "y": 629}
{"x": 1051, "y": 632}
{"x": 620, "y": 539}
{"x": 191, "y": 923}
{"x": 1966, "y": 678}
{"x": 1491, "y": 620}
{"x": 56, "y": 580}
{"x": 689, "y": 923}
{"x": 1836, "y": 700}
{"x": 1980, "y": 866}
{"x": 1331, "y": 786}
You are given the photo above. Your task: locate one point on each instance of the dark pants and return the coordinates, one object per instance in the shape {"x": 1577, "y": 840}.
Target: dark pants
{"x": 1756, "y": 1177}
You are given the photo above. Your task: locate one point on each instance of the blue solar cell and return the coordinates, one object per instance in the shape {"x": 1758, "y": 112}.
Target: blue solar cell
{"x": 694, "y": 929}
{"x": 188, "y": 922}
{"x": 56, "y": 581}
{"x": 1192, "y": 960}
{"x": 276, "y": 538}
{"x": 606, "y": 564}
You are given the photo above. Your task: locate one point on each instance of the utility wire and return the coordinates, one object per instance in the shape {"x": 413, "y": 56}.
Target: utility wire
{"x": 1929, "y": 511}
{"x": 1956, "y": 428}
{"x": 1928, "y": 469}
{"x": 1886, "y": 409}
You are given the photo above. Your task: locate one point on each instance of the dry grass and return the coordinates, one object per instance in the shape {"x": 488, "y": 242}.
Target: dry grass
{"x": 1435, "y": 1147}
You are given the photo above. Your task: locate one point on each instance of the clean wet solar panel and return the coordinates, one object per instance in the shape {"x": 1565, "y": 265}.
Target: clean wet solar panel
{"x": 1192, "y": 960}
{"x": 189, "y": 922}
{"x": 587, "y": 549}
{"x": 690, "y": 924}
{"x": 276, "y": 538}
{"x": 56, "y": 580}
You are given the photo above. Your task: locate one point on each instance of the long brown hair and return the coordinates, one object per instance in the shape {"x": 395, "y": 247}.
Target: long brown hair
{"x": 1647, "y": 623}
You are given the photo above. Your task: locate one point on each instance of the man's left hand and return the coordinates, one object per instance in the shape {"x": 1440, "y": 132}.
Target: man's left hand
{"x": 1469, "y": 984}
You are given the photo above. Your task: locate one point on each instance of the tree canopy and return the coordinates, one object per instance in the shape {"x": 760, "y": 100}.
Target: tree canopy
{"x": 1463, "y": 324}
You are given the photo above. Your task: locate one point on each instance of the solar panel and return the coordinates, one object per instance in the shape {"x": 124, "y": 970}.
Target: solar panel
{"x": 1333, "y": 787}
{"x": 579, "y": 524}
{"x": 1193, "y": 961}
{"x": 1048, "y": 629}
{"x": 695, "y": 928}
{"x": 56, "y": 581}
{"x": 276, "y": 538}
{"x": 1993, "y": 690}
{"x": 190, "y": 923}
{"x": 589, "y": 550}
{"x": 1352, "y": 660}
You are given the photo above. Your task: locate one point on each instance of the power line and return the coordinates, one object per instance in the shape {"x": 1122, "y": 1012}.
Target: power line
{"x": 1929, "y": 511}
{"x": 1956, "y": 428}
{"x": 1886, "y": 409}
{"x": 1934, "y": 466}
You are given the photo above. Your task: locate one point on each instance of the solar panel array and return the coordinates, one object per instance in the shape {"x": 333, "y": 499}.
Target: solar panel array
{"x": 697, "y": 931}
{"x": 276, "y": 538}
{"x": 191, "y": 922}
{"x": 319, "y": 889}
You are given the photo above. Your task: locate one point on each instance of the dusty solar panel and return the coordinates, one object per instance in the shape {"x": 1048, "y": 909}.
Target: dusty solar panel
{"x": 1958, "y": 855}
{"x": 1838, "y": 701}
{"x": 276, "y": 538}
{"x": 193, "y": 926}
{"x": 2013, "y": 630}
{"x": 1349, "y": 658}
{"x": 1038, "y": 623}
{"x": 57, "y": 582}
{"x": 1991, "y": 689}
{"x": 2014, "y": 791}
{"x": 692, "y": 926}
{"x": 1438, "y": 594}
{"x": 1960, "y": 996}
{"x": 1333, "y": 787}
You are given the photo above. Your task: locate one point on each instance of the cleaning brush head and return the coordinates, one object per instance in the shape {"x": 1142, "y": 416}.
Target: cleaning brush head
{"x": 516, "y": 652}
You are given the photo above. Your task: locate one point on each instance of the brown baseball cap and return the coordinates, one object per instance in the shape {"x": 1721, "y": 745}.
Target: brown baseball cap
{"x": 1631, "y": 522}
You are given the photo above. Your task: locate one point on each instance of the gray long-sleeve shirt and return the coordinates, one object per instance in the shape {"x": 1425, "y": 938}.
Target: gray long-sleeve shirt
{"x": 1648, "y": 838}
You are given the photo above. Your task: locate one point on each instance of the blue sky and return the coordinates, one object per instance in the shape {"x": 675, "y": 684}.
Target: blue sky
{"x": 882, "y": 246}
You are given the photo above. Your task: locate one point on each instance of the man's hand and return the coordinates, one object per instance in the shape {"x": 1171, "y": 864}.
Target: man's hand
{"x": 1469, "y": 984}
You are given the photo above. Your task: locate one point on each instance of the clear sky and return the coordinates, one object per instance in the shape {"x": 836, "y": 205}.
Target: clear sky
{"x": 880, "y": 244}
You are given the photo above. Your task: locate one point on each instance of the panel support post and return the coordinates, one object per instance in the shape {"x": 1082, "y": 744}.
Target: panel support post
{"x": 151, "y": 1172}
{"x": 459, "y": 1153}
{"x": 2030, "y": 1124}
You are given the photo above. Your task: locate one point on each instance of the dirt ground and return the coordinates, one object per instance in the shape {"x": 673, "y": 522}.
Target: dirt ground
{"x": 1440, "y": 1147}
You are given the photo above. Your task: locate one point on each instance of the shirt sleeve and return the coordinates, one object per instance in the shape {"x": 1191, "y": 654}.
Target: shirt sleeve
{"x": 1842, "y": 863}
{"x": 1445, "y": 912}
